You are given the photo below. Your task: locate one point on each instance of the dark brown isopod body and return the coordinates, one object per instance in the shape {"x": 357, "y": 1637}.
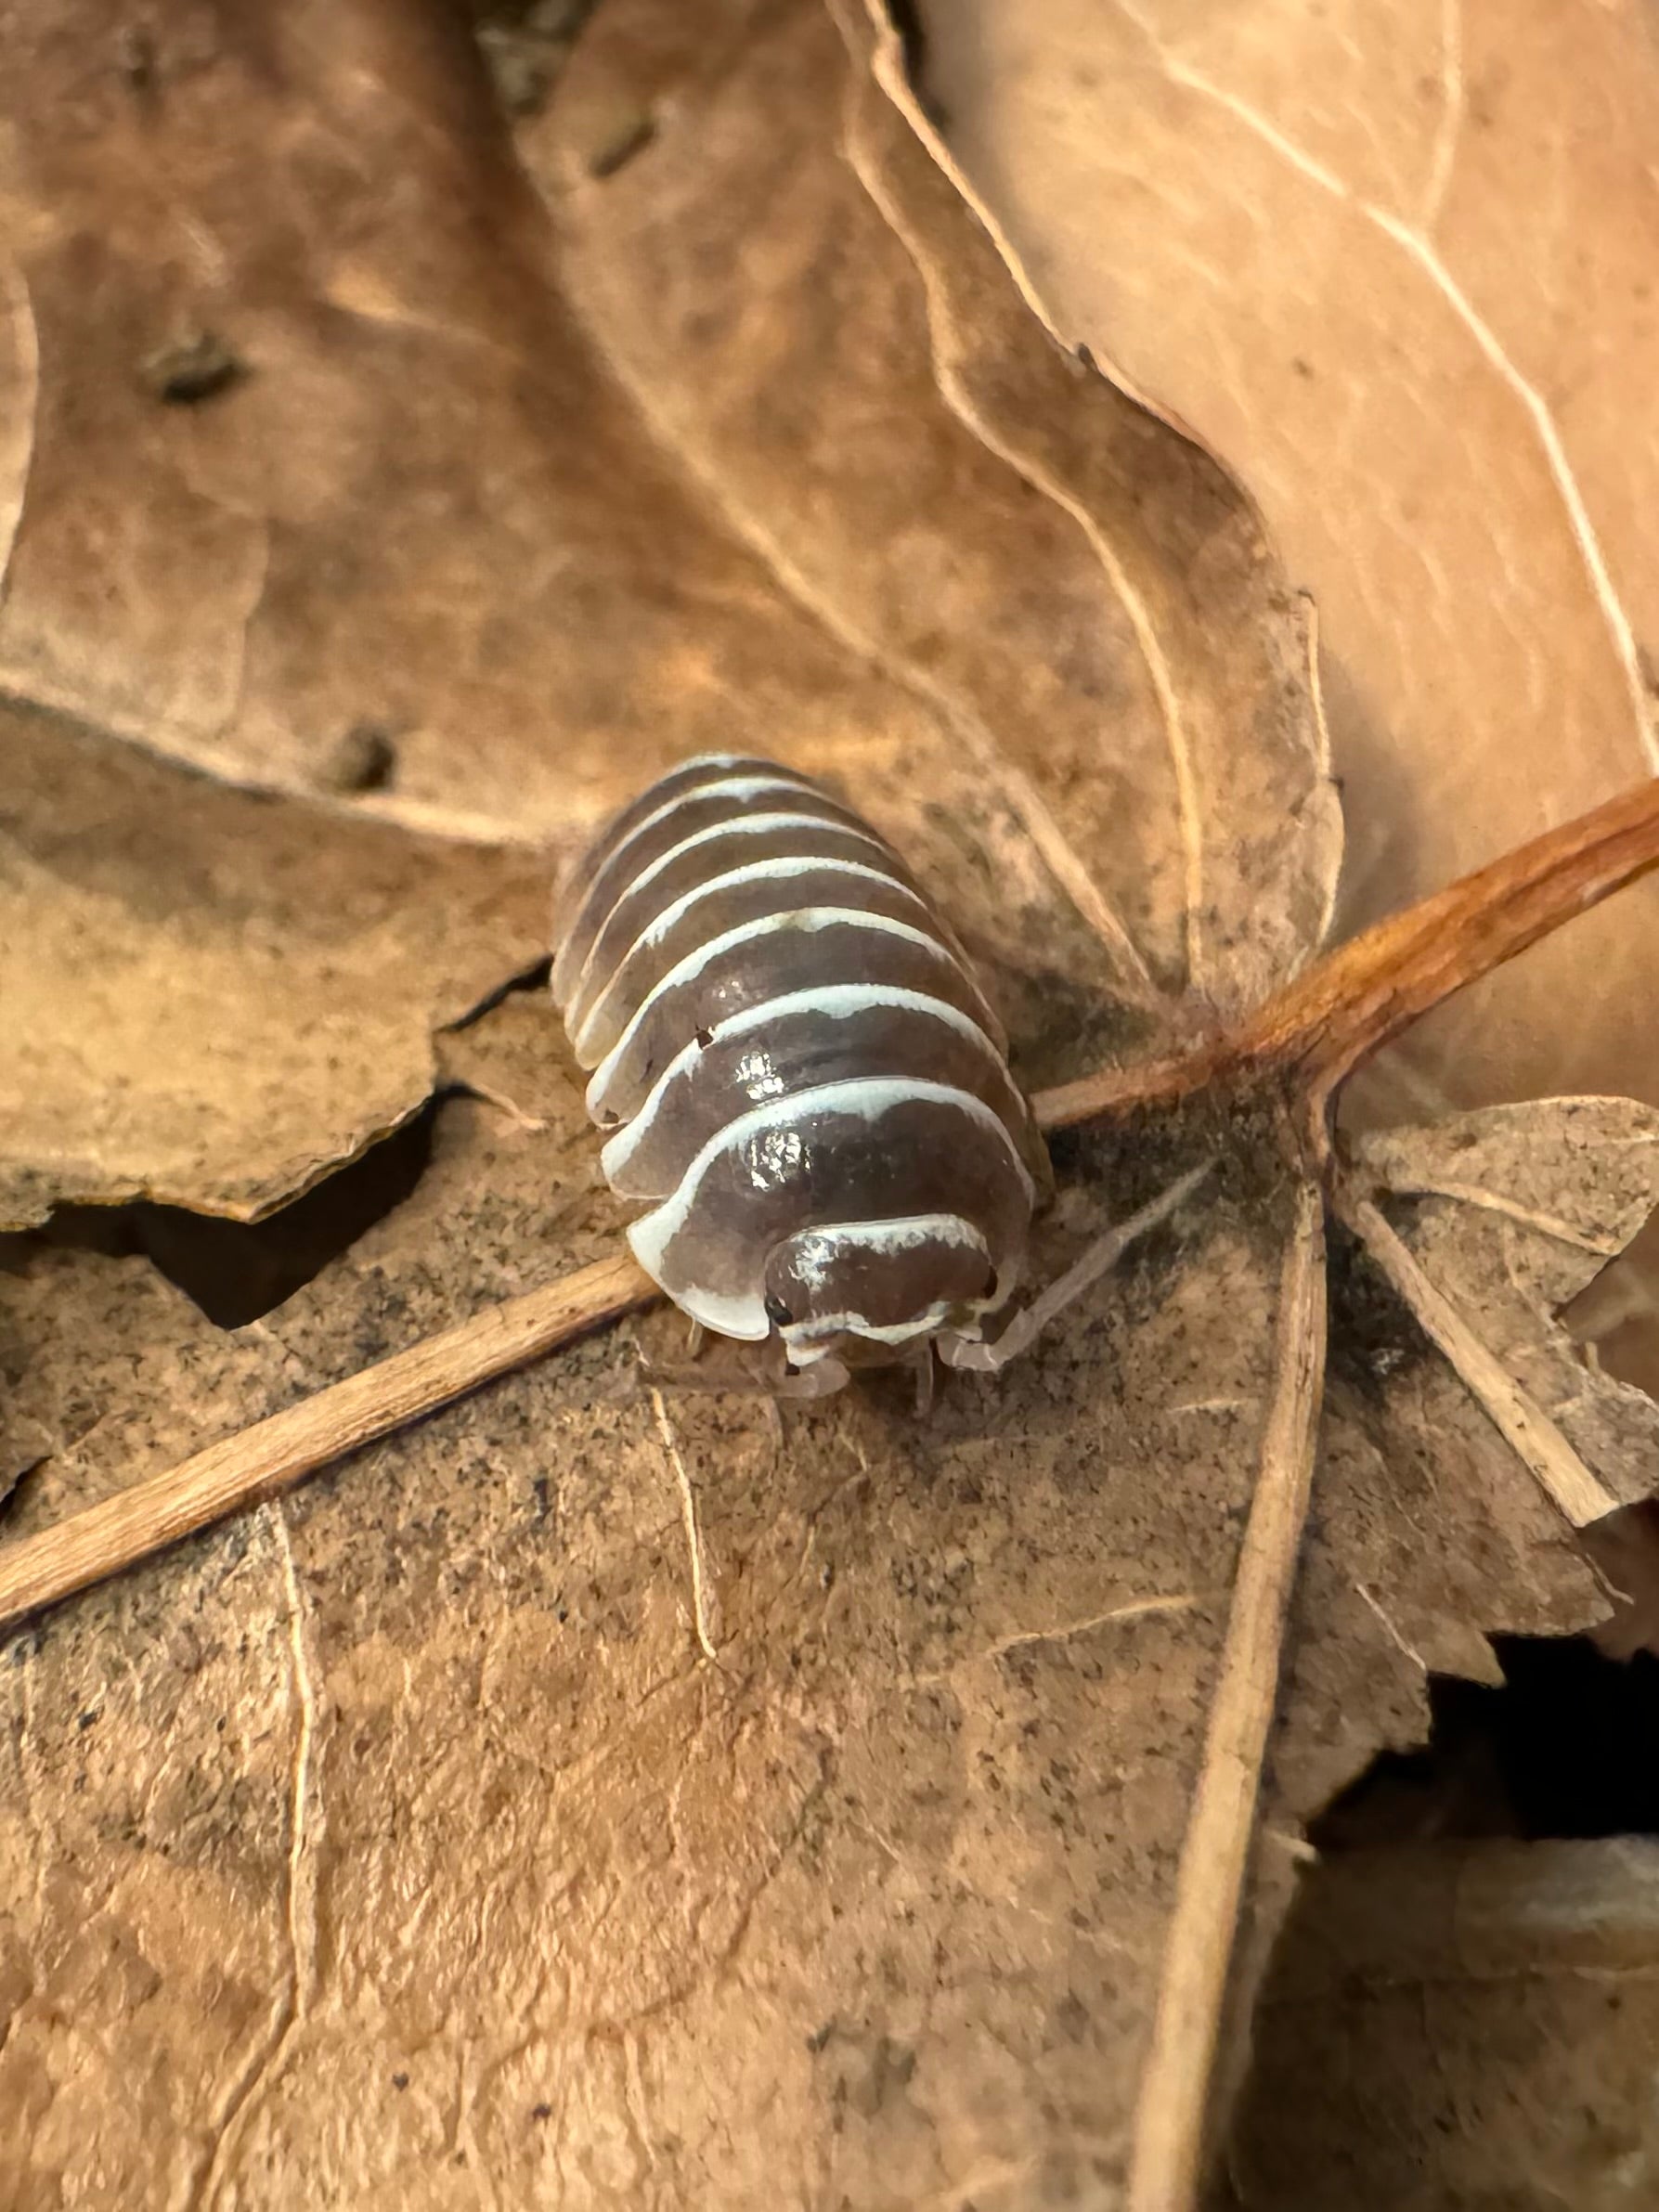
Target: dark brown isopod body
{"x": 797, "y": 1065}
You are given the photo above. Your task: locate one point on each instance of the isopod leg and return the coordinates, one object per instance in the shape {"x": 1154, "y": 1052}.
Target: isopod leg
{"x": 822, "y": 1379}
{"x": 712, "y": 1376}
{"x": 1103, "y": 1254}
{"x": 925, "y": 1377}
{"x": 749, "y": 1370}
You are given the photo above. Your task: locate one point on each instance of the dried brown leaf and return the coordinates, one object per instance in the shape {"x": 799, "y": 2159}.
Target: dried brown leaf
{"x": 836, "y": 350}
{"x": 1412, "y": 1450}
{"x": 212, "y": 998}
{"x": 1458, "y": 2025}
{"x": 934, "y": 1880}
{"x": 308, "y": 580}
{"x": 959, "y": 1673}
{"x": 502, "y": 1675}
{"x": 1515, "y": 1210}
{"x": 1396, "y": 271}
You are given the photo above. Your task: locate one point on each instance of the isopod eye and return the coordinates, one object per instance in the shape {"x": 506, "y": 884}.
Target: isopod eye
{"x": 776, "y": 1311}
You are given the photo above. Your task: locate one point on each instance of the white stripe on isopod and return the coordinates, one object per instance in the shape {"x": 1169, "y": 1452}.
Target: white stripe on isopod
{"x": 896, "y": 1232}
{"x": 778, "y": 869}
{"x": 807, "y": 1342}
{"x": 701, "y": 957}
{"x": 735, "y": 789}
{"x": 835, "y": 1002}
{"x": 735, "y": 828}
{"x": 866, "y": 1098}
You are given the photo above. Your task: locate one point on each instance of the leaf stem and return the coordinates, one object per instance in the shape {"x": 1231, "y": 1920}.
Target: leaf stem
{"x": 1174, "y": 2093}
{"x": 1534, "y": 1437}
{"x": 1318, "y": 1029}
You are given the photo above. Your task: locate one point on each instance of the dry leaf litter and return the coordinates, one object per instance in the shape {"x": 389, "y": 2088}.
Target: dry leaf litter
{"x": 400, "y": 1843}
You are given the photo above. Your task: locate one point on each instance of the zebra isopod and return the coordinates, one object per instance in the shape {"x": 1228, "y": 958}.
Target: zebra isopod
{"x": 793, "y": 1061}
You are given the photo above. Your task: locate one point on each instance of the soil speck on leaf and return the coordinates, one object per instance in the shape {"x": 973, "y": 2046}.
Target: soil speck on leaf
{"x": 628, "y": 135}
{"x": 191, "y": 368}
{"x": 365, "y": 759}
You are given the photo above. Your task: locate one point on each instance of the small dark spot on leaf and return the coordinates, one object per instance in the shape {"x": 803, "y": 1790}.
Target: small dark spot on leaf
{"x": 188, "y": 369}
{"x": 525, "y": 48}
{"x": 365, "y": 759}
{"x": 401, "y": 2081}
{"x": 629, "y": 135}
{"x": 820, "y": 2036}
{"x": 135, "y": 57}
{"x": 1303, "y": 369}
{"x": 541, "y": 2112}
{"x": 85, "y": 1720}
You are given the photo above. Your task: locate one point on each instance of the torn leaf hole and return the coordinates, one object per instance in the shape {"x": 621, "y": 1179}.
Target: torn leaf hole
{"x": 535, "y": 978}
{"x": 1565, "y": 1749}
{"x": 236, "y": 1271}
{"x": 1567, "y": 1746}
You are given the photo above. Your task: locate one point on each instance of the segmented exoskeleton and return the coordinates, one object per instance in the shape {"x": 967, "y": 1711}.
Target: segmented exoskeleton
{"x": 800, "y": 1068}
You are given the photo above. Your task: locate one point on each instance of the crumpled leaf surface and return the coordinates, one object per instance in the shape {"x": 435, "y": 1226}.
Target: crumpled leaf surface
{"x": 1510, "y": 1211}
{"x": 530, "y": 619}
{"x": 1015, "y": 540}
{"x": 494, "y": 1873}
{"x": 1455, "y": 2025}
{"x": 211, "y": 997}
{"x": 1517, "y": 1210}
{"x": 397, "y": 1844}
{"x": 1396, "y": 271}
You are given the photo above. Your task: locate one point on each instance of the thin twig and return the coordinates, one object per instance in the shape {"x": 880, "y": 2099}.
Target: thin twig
{"x": 1175, "y": 2094}
{"x": 157, "y": 1509}
{"x": 1525, "y": 1427}
{"x": 688, "y": 1514}
{"x": 1321, "y": 1028}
